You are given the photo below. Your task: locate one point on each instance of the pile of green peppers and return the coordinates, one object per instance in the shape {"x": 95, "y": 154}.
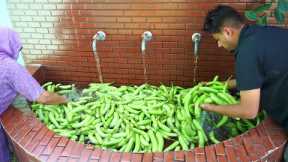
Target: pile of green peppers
{"x": 143, "y": 118}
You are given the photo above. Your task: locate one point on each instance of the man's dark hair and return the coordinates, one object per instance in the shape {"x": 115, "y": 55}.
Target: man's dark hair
{"x": 222, "y": 15}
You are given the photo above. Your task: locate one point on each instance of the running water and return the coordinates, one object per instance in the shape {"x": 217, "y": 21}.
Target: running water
{"x": 196, "y": 71}
{"x": 144, "y": 66}
{"x": 97, "y": 60}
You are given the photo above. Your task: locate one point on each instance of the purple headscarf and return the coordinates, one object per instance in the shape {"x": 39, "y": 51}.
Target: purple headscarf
{"x": 10, "y": 44}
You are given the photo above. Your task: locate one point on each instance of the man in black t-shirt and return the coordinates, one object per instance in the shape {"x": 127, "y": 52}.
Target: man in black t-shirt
{"x": 261, "y": 54}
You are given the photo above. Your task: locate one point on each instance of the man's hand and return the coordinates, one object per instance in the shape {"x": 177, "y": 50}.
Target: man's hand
{"x": 207, "y": 107}
{"x": 231, "y": 84}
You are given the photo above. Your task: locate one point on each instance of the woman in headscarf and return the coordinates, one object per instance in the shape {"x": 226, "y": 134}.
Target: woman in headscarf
{"x": 14, "y": 80}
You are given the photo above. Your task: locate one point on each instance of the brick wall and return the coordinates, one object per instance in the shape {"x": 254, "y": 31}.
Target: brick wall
{"x": 57, "y": 34}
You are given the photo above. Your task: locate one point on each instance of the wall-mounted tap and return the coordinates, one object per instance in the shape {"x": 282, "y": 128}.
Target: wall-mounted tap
{"x": 99, "y": 36}
{"x": 196, "y": 37}
{"x": 146, "y": 36}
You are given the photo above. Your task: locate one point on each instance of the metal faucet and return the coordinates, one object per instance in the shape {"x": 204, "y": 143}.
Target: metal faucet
{"x": 146, "y": 36}
{"x": 99, "y": 36}
{"x": 196, "y": 37}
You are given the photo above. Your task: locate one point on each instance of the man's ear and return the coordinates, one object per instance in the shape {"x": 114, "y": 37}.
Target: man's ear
{"x": 227, "y": 32}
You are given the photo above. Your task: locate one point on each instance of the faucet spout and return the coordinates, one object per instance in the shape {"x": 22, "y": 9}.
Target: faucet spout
{"x": 196, "y": 37}
{"x": 146, "y": 36}
{"x": 99, "y": 36}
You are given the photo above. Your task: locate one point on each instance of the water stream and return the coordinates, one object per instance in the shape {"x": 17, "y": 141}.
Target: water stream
{"x": 97, "y": 60}
{"x": 195, "y": 71}
{"x": 144, "y": 65}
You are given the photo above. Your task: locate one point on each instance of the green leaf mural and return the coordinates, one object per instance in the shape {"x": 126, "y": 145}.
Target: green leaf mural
{"x": 251, "y": 15}
{"x": 279, "y": 15}
{"x": 260, "y": 17}
{"x": 262, "y": 8}
{"x": 262, "y": 20}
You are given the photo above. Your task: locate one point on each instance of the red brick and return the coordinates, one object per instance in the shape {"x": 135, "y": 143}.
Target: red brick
{"x": 136, "y": 157}
{"x": 62, "y": 159}
{"x": 210, "y": 153}
{"x": 221, "y": 158}
{"x": 154, "y": 19}
{"x": 231, "y": 156}
{"x": 158, "y": 156}
{"x": 126, "y": 157}
{"x": 261, "y": 130}
{"x": 85, "y": 155}
{"x": 27, "y": 138}
{"x": 56, "y": 153}
{"x": 189, "y": 156}
{"x": 234, "y": 142}
{"x": 68, "y": 148}
{"x": 241, "y": 153}
{"x": 76, "y": 151}
{"x": 35, "y": 141}
{"x": 200, "y": 157}
{"x": 219, "y": 148}
{"x": 278, "y": 139}
{"x": 169, "y": 156}
{"x": 6, "y": 120}
{"x": 32, "y": 120}
{"x": 105, "y": 156}
{"x": 18, "y": 124}
{"x": 169, "y": 44}
{"x": 73, "y": 159}
{"x": 96, "y": 154}
{"x": 48, "y": 136}
{"x": 253, "y": 133}
{"x": 147, "y": 157}
{"x": 260, "y": 150}
{"x": 199, "y": 150}
{"x": 37, "y": 151}
{"x": 93, "y": 160}
{"x": 248, "y": 145}
{"x": 50, "y": 147}
{"x": 267, "y": 142}
{"x": 38, "y": 125}
{"x": 115, "y": 156}
{"x": 179, "y": 155}
{"x": 63, "y": 141}
{"x": 43, "y": 157}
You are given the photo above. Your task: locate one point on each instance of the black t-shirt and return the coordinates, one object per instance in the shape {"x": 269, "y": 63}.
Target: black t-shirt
{"x": 262, "y": 62}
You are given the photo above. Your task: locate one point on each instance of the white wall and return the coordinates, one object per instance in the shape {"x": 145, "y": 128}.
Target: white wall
{"x": 5, "y": 21}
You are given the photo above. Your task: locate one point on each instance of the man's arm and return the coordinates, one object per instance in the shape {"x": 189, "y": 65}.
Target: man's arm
{"x": 51, "y": 98}
{"x": 247, "y": 108}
